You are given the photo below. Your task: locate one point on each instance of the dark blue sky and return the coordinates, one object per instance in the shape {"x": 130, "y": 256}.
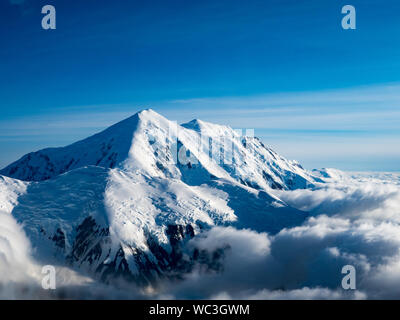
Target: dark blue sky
{"x": 109, "y": 58}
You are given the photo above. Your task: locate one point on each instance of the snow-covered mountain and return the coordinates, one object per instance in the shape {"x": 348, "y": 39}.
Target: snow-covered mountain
{"x": 125, "y": 201}
{"x": 147, "y": 142}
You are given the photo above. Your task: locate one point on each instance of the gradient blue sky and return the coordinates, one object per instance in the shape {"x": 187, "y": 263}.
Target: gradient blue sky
{"x": 325, "y": 96}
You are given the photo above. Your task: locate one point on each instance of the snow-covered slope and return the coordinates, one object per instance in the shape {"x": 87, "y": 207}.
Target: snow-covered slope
{"x": 125, "y": 201}
{"x": 105, "y": 149}
{"x": 252, "y": 163}
{"x": 156, "y": 146}
{"x": 10, "y": 190}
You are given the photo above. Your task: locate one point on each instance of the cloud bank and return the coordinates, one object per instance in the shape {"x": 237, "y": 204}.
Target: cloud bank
{"x": 354, "y": 220}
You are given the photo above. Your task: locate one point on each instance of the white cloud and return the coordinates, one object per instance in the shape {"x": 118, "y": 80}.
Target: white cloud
{"x": 297, "y": 294}
{"x": 353, "y": 221}
{"x": 342, "y": 127}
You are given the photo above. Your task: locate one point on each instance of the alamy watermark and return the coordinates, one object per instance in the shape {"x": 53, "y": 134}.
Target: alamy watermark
{"x": 225, "y": 148}
{"x": 349, "y": 280}
{"x": 349, "y": 20}
{"x": 49, "y": 20}
{"x": 49, "y": 279}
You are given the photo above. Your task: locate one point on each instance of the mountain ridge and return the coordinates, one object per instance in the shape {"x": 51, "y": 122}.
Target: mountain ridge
{"x": 115, "y": 145}
{"x": 133, "y": 214}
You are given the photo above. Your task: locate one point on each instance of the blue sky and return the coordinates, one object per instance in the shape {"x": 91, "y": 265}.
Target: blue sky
{"x": 325, "y": 96}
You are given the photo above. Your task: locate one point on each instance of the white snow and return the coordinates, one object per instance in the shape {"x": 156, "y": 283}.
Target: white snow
{"x": 131, "y": 179}
{"x": 10, "y": 190}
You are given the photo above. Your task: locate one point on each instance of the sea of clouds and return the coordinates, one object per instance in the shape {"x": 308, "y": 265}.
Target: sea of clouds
{"x": 354, "y": 220}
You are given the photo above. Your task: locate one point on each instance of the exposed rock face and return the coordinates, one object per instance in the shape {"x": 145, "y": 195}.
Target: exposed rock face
{"x": 92, "y": 248}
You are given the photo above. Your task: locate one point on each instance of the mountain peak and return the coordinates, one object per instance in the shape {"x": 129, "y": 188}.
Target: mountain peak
{"x": 195, "y": 124}
{"x": 208, "y": 128}
{"x": 147, "y": 116}
{"x": 148, "y": 143}
{"x": 107, "y": 148}
{"x": 121, "y": 199}
{"x": 148, "y": 113}
{"x": 142, "y": 115}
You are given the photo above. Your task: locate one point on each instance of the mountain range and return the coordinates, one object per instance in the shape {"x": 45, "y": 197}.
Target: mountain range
{"x": 126, "y": 202}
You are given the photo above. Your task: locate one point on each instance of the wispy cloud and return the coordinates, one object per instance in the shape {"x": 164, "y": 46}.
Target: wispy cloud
{"x": 330, "y": 127}
{"x": 303, "y": 108}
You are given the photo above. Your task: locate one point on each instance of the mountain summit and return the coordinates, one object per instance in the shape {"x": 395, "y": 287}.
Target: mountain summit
{"x": 126, "y": 201}
{"x": 149, "y": 142}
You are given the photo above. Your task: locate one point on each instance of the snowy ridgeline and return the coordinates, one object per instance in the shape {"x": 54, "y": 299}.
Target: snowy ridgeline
{"x": 127, "y": 201}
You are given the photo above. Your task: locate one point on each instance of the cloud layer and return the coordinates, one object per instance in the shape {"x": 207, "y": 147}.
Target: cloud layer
{"x": 355, "y": 220}
{"x": 351, "y": 129}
